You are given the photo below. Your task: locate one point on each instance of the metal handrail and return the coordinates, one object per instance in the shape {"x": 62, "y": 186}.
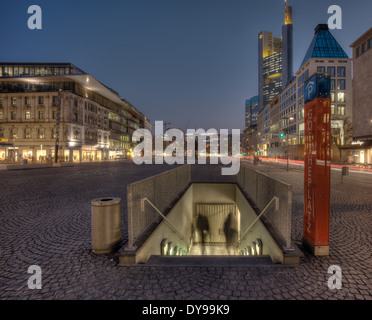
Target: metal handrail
{"x": 276, "y": 199}
{"x": 215, "y": 214}
{"x": 174, "y": 229}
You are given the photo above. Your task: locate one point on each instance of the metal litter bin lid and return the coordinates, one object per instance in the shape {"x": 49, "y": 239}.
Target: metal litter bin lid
{"x": 107, "y": 201}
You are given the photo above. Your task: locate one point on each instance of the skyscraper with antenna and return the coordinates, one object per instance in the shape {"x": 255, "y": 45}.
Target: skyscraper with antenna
{"x": 287, "y": 46}
{"x": 275, "y": 60}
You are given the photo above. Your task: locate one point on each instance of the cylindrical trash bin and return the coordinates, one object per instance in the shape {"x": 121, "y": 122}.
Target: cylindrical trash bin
{"x": 106, "y": 224}
{"x": 345, "y": 171}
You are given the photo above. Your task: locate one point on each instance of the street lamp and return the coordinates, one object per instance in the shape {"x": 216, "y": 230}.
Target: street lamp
{"x": 14, "y": 155}
{"x": 282, "y": 134}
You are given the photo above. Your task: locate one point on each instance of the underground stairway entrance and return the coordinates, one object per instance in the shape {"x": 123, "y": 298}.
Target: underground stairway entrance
{"x": 207, "y": 223}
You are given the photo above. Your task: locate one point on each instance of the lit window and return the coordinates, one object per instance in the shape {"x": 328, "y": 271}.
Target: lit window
{"x": 27, "y": 115}
{"x": 341, "y": 97}
{"x": 28, "y": 134}
{"x": 1, "y": 115}
{"x": 27, "y": 101}
{"x": 332, "y": 109}
{"x": 14, "y": 101}
{"x": 341, "y": 110}
{"x": 41, "y": 115}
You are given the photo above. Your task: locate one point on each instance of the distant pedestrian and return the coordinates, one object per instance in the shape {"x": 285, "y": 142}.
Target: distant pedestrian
{"x": 230, "y": 233}
{"x": 203, "y": 226}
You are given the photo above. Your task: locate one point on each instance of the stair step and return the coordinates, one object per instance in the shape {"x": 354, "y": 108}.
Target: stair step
{"x": 209, "y": 260}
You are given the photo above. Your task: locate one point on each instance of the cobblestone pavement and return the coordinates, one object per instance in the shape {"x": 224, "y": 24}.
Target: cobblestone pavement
{"x": 45, "y": 221}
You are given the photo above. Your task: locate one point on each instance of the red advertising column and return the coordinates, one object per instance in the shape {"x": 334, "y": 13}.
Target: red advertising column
{"x": 317, "y": 167}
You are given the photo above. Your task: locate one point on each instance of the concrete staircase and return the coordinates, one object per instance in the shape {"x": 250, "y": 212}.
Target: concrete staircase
{"x": 209, "y": 261}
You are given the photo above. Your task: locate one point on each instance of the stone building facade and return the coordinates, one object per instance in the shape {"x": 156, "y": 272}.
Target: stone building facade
{"x": 362, "y": 93}
{"x": 95, "y": 124}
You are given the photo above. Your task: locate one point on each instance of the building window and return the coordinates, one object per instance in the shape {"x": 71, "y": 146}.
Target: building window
{"x": 332, "y": 109}
{"x": 331, "y": 71}
{"x": 321, "y": 69}
{"x": 28, "y": 134}
{"x": 27, "y": 115}
{"x": 75, "y": 116}
{"x": 341, "y": 84}
{"x": 1, "y": 101}
{"x": 1, "y": 115}
{"x": 306, "y": 74}
{"x": 341, "y": 110}
{"x": 358, "y": 52}
{"x": 364, "y": 47}
{"x": 27, "y": 101}
{"x": 75, "y": 102}
{"x": 341, "y": 97}
{"x": 13, "y": 133}
{"x": 41, "y": 134}
{"x": 333, "y": 97}
{"x": 54, "y": 115}
{"x": 333, "y": 84}
{"x": 13, "y": 115}
{"x": 41, "y": 100}
{"x": 341, "y": 72}
{"x": 55, "y": 101}
{"x": 41, "y": 115}
{"x": 370, "y": 43}
{"x": 14, "y": 101}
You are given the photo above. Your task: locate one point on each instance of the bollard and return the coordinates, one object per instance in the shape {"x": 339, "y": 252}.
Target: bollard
{"x": 345, "y": 172}
{"x": 106, "y": 224}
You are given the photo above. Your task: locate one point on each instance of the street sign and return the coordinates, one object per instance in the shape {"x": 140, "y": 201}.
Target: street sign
{"x": 317, "y": 164}
{"x": 318, "y": 86}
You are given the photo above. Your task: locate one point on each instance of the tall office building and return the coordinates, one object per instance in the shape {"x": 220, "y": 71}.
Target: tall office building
{"x": 269, "y": 67}
{"x": 275, "y": 60}
{"x": 287, "y": 51}
{"x": 251, "y": 111}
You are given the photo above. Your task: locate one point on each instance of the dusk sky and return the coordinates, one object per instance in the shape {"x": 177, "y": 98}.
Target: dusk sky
{"x": 174, "y": 60}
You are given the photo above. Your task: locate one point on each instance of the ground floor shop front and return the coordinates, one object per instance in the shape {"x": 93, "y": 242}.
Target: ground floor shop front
{"x": 46, "y": 153}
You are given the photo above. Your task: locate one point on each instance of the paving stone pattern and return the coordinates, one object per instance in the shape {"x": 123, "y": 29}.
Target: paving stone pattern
{"x": 45, "y": 221}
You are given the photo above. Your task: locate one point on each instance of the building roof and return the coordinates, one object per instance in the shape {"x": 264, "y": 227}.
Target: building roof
{"x": 362, "y": 38}
{"x": 76, "y": 70}
{"x": 254, "y": 99}
{"x": 324, "y": 45}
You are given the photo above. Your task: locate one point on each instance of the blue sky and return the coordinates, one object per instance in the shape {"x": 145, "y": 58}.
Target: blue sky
{"x": 178, "y": 61}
